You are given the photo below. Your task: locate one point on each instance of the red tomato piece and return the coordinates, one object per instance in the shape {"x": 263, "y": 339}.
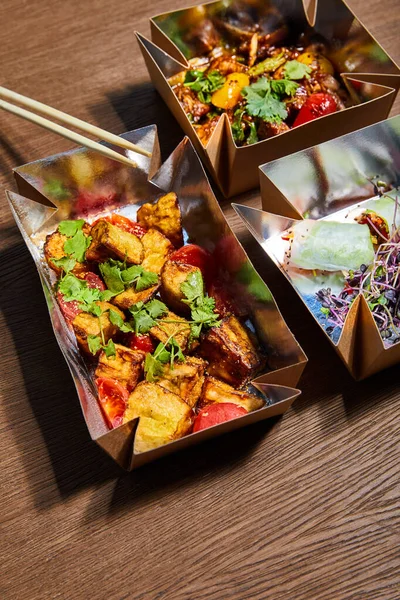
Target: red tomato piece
{"x": 94, "y": 281}
{"x": 68, "y": 309}
{"x": 88, "y": 203}
{"x": 125, "y": 224}
{"x": 316, "y": 105}
{"x": 113, "y": 398}
{"x": 195, "y": 256}
{"x": 214, "y": 414}
{"x": 140, "y": 342}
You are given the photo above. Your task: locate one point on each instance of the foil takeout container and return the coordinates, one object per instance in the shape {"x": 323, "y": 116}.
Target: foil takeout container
{"x": 330, "y": 179}
{"x": 83, "y": 183}
{"x": 370, "y": 76}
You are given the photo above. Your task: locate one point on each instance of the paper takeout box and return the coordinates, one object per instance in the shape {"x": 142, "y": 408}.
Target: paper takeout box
{"x": 333, "y": 177}
{"x": 82, "y": 183}
{"x": 370, "y": 76}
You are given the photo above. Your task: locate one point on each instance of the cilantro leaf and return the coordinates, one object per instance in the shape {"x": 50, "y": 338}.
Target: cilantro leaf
{"x": 107, "y": 295}
{"x": 94, "y": 343}
{"x": 111, "y": 273}
{"x": 70, "y": 228}
{"x": 116, "y": 318}
{"x": 140, "y": 277}
{"x": 193, "y": 287}
{"x": 156, "y": 308}
{"x": 73, "y": 288}
{"x": 204, "y": 84}
{"x": 93, "y": 309}
{"x": 109, "y": 348}
{"x": 153, "y": 368}
{"x": 65, "y": 263}
{"x": 284, "y": 87}
{"x": 296, "y": 70}
{"x": 252, "y": 137}
{"x": 262, "y": 103}
{"x": 237, "y": 126}
{"x": 77, "y": 245}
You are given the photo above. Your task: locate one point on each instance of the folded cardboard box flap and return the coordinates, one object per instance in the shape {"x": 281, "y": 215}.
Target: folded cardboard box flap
{"x": 369, "y": 74}
{"x": 81, "y": 183}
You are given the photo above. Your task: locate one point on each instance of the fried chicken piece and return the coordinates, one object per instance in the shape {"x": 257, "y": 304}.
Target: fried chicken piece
{"x": 179, "y": 328}
{"x": 130, "y": 297}
{"x": 185, "y": 379}
{"x": 268, "y": 130}
{"x": 126, "y": 366}
{"x": 157, "y": 248}
{"x": 231, "y": 352}
{"x": 190, "y": 102}
{"x": 86, "y": 324}
{"x": 164, "y": 416}
{"x": 227, "y": 64}
{"x": 165, "y": 216}
{"x": 117, "y": 242}
{"x": 205, "y": 130}
{"x": 172, "y": 277}
{"x": 216, "y": 391}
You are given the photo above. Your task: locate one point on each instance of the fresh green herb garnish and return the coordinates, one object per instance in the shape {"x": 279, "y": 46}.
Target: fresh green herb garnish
{"x": 95, "y": 344}
{"x": 77, "y": 245}
{"x": 284, "y": 87}
{"x": 252, "y": 137}
{"x": 65, "y": 263}
{"x": 237, "y": 127}
{"x": 262, "y": 101}
{"x": 154, "y": 363}
{"x": 202, "y": 307}
{"x": 70, "y": 228}
{"x": 73, "y": 288}
{"x": 297, "y": 70}
{"x": 117, "y": 320}
{"x": 204, "y": 84}
{"x": 117, "y": 277}
{"x": 145, "y": 315}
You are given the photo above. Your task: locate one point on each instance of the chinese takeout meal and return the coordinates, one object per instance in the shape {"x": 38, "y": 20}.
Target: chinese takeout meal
{"x": 163, "y": 337}
{"x": 264, "y": 77}
{"x": 363, "y": 251}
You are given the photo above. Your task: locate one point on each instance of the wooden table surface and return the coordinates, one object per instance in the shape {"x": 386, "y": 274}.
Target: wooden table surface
{"x": 304, "y": 508}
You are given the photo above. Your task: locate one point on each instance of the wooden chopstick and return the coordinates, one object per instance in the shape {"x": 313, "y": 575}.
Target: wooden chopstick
{"x": 69, "y": 120}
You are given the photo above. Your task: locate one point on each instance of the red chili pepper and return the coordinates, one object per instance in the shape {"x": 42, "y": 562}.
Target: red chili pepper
{"x": 197, "y": 257}
{"x": 141, "y": 342}
{"x": 124, "y": 223}
{"x": 316, "y": 105}
{"x": 113, "y": 399}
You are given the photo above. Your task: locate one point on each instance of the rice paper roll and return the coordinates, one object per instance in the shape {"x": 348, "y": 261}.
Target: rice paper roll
{"x": 384, "y": 207}
{"x": 330, "y": 246}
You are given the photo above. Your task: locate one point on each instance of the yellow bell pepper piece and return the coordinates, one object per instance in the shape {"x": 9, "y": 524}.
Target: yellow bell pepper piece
{"x": 228, "y": 96}
{"x": 316, "y": 61}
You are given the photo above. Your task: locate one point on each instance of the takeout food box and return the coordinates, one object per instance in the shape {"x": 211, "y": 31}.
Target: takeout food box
{"x": 332, "y": 177}
{"x": 370, "y": 76}
{"x": 82, "y": 183}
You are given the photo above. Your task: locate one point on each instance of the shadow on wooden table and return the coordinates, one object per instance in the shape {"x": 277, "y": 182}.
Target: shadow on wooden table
{"x": 44, "y": 387}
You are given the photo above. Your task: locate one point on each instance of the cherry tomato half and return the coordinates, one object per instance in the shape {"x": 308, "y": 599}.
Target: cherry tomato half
{"x": 113, "y": 398}
{"x": 214, "y": 414}
{"x": 94, "y": 281}
{"x": 197, "y": 257}
{"x": 141, "y": 342}
{"x": 124, "y": 223}
{"x": 316, "y": 105}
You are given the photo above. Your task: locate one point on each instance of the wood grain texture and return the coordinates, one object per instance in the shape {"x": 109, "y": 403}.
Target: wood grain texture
{"x": 304, "y": 508}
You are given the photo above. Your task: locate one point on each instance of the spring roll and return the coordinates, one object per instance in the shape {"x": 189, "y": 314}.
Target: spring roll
{"x": 330, "y": 246}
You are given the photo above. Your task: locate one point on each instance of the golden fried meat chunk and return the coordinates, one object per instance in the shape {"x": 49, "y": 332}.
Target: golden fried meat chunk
{"x": 172, "y": 277}
{"x": 165, "y": 216}
{"x": 231, "y": 352}
{"x": 172, "y": 325}
{"x": 86, "y": 324}
{"x": 185, "y": 379}
{"x": 216, "y": 391}
{"x": 129, "y": 297}
{"x": 118, "y": 242}
{"x": 157, "y": 248}
{"x": 126, "y": 366}
{"x": 164, "y": 416}
{"x": 54, "y": 249}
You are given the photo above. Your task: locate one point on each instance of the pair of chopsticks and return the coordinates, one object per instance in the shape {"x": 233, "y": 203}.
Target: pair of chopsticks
{"x": 12, "y": 97}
